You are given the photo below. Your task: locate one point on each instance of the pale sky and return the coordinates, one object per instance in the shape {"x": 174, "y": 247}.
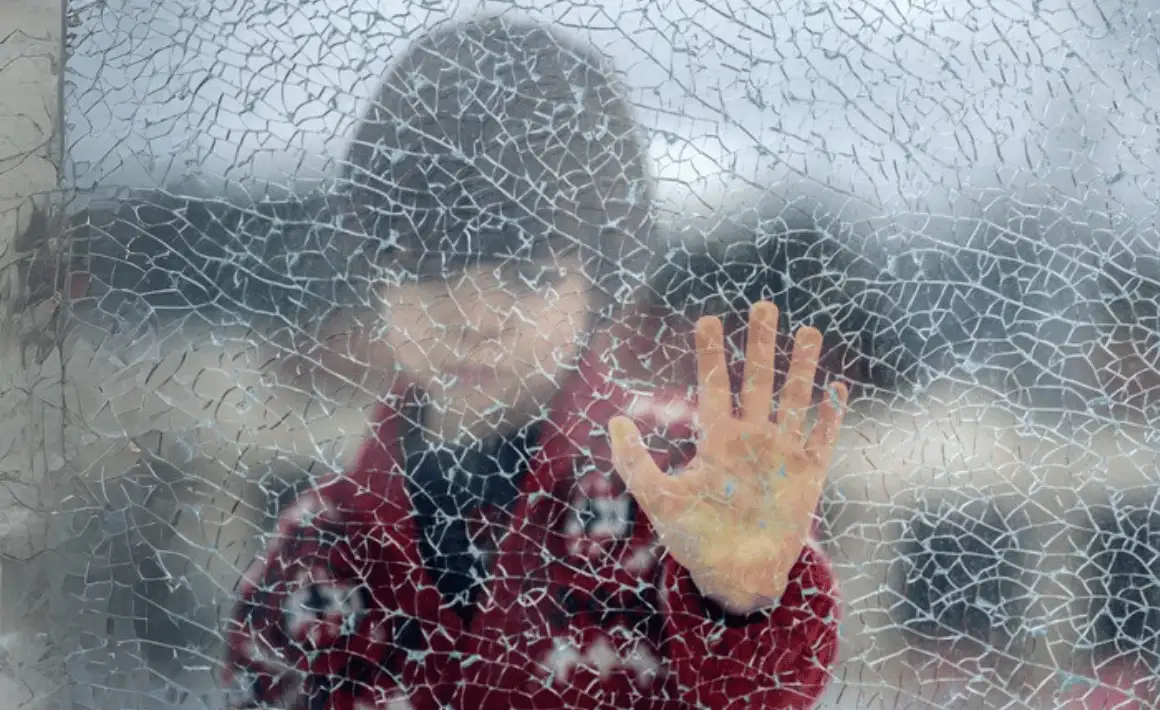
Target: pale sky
{"x": 898, "y": 104}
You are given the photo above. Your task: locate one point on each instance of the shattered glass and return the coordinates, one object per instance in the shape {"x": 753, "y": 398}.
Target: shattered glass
{"x": 961, "y": 196}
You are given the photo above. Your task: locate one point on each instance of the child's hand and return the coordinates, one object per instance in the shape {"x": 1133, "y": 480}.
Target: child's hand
{"x": 738, "y": 515}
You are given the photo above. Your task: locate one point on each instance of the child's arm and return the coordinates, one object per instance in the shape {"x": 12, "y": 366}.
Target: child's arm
{"x": 734, "y": 522}
{"x": 312, "y": 614}
{"x": 779, "y": 657}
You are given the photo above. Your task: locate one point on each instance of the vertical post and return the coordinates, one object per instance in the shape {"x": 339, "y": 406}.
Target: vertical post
{"x": 31, "y": 423}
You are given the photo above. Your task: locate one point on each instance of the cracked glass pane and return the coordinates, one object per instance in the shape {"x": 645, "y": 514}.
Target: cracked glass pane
{"x": 356, "y": 293}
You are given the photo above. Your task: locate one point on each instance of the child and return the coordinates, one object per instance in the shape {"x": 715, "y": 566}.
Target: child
{"x": 506, "y": 539}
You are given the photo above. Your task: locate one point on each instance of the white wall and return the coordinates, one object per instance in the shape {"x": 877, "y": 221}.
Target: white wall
{"x": 30, "y": 388}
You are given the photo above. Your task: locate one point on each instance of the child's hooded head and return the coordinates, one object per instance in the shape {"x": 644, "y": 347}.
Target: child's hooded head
{"x": 501, "y": 178}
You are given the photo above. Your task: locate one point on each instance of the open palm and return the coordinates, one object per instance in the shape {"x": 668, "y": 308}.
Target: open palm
{"x": 737, "y": 516}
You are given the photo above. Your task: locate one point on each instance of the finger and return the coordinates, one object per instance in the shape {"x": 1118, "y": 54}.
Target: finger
{"x": 715, "y": 395}
{"x": 797, "y": 394}
{"x": 653, "y": 489}
{"x": 760, "y": 351}
{"x": 820, "y": 447}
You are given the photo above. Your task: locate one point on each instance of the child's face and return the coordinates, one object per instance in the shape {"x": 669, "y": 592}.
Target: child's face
{"x": 489, "y": 339}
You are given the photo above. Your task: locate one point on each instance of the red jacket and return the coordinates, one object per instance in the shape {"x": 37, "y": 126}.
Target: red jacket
{"x": 341, "y": 614}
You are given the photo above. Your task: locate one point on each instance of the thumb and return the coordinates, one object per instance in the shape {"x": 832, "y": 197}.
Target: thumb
{"x": 655, "y": 491}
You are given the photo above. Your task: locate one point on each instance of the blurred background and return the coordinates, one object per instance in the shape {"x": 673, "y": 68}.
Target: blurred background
{"x": 974, "y": 185}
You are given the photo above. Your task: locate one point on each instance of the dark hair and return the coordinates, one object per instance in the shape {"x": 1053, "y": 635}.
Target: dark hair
{"x": 496, "y": 138}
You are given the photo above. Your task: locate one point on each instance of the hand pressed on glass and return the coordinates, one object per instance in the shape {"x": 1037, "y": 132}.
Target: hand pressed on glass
{"x": 738, "y": 515}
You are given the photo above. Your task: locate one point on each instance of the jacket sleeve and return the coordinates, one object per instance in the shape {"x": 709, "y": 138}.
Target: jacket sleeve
{"x": 780, "y": 658}
{"x": 311, "y": 629}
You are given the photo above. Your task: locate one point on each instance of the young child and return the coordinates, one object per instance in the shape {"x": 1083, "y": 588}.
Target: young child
{"x": 508, "y": 538}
